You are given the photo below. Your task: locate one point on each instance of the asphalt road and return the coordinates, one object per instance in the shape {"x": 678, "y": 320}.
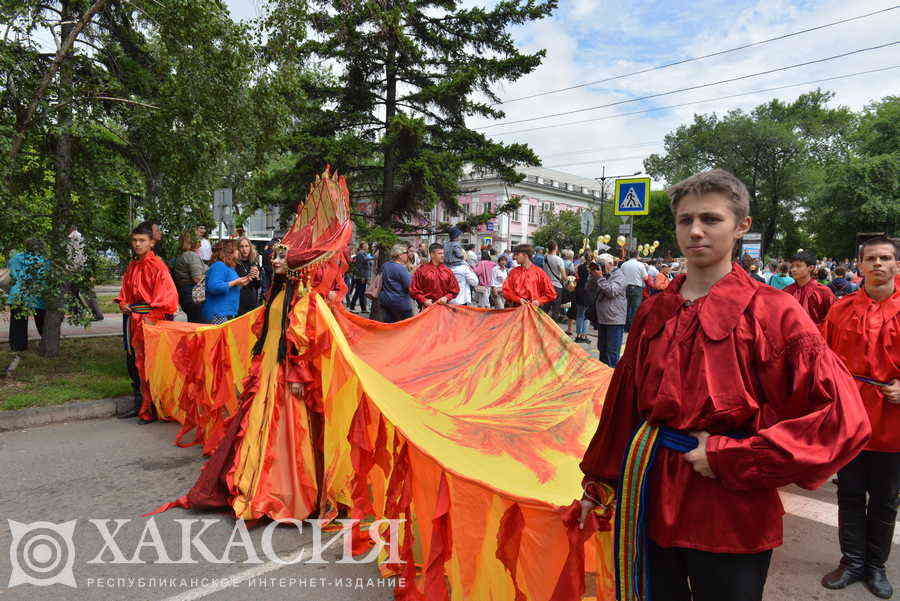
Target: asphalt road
{"x": 113, "y": 469}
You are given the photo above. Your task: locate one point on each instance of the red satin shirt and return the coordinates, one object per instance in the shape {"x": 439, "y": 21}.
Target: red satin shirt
{"x": 814, "y": 297}
{"x": 745, "y": 358}
{"x": 147, "y": 280}
{"x": 865, "y": 333}
{"x": 433, "y": 282}
{"x": 532, "y": 283}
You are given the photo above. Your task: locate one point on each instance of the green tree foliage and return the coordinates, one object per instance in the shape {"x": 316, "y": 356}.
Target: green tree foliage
{"x": 658, "y": 225}
{"x": 405, "y": 77}
{"x": 777, "y": 150}
{"x": 564, "y": 228}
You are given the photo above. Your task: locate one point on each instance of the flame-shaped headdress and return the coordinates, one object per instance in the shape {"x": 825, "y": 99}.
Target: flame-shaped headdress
{"x": 322, "y": 227}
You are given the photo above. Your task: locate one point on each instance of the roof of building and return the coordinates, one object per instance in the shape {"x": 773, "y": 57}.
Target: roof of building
{"x": 560, "y": 176}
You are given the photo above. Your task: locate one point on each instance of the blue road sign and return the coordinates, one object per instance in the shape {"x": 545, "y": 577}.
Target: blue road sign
{"x": 632, "y": 196}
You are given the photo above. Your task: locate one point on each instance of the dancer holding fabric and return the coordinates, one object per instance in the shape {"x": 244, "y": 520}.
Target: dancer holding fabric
{"x": 433, "y": 282}
{"x": 863, "y": 328}
{"x": 270, "y": 459}
{"x": 147, "y": 292}
{"x": 527, "y": 283}
{"x": 726, "y": 391}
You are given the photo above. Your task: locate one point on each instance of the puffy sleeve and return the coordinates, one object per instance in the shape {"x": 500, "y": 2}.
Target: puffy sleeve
{"x": 509, "y": 286}
{"x": 812, "y": 421}
{"x": 546, "y": 291}
{"x": 416, "y": 289}
{"x": 296, "y": 367}
{"x": 164, "y": 299}
{"x": 125, "y": 295}
{"x": 602, "y": 462}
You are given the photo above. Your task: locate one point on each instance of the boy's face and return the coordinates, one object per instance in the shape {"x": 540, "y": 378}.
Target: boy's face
{"x": 706, "y": 229}
{"x": 800, "y": 271}
{"x": 140, "y": 244}
{"x": 878, "y": 263}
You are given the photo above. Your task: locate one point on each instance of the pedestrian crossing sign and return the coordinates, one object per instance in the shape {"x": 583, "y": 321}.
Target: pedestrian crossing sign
{"x": 632, "y": 196}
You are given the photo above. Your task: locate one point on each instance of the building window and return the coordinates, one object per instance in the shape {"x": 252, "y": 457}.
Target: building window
{"x": 488, "y": 207}
{"x": 532, "y": 214}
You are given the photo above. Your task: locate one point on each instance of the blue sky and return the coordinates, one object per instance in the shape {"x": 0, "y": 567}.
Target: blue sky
{"x": 587, "y": 40}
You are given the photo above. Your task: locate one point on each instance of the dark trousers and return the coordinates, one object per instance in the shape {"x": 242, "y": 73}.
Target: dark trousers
{"x": 867, "y": 528}
{"x": 130, "y": 363}
{"x": 358, "y": 291}
{"x": 634, "y": 295}
{"x": 186, "y": 300}
{"x": 393, "y": 314}
{"x": 553, "y": 308}
{"x": 678, "y": 574}
{"x": 18, "y": 328}
{"x": 609, "y": 342}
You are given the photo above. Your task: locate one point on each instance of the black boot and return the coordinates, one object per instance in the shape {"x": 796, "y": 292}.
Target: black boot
{"x": 136, "y": 405}
{"x": 879, "y": 536}
{"x": 852, "y": 536}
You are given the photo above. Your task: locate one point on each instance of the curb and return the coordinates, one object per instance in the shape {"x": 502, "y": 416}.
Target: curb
{"x": 20, "y": 419}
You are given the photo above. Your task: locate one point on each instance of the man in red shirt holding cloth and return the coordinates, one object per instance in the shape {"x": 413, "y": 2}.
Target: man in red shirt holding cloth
{"x": 528, "y": 283}
{"x": 433, "y": 282}
{"x": 148, "y": 292}
{"x": 863, "y": 328}
{"x": 816, "y": 298}
{"x": 726, "y": 391}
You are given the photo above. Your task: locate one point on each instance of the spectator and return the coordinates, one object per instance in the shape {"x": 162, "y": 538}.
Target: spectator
{"x": 188, "y": 272}
{"x": 781, "y": 280}
{"x": 466, "y": 279}
{"x": 433, "y": 282}
{"x": 538, "y": 258}
{"x": 582, "y": 297}
{"x": 484, "y": 269}
{"x": 205, "y": 249}
{"x": 607, "y": 287}
{"x": 223, "y": 285}
{"x": 754, "y": 273}
{"x": 823, "y": 276}
{"x": 361, "y": 271}
{"x": 395, "y": 280}
{"x": 248, "y": 265}
{"x": 453, "y": 250}
{"x": 501, "y": 271}
{"x": 28, "y": 270}
{"x": 840, "y": 285}
{"x": 634, "y": 273}
{"x": 555, "y": 268}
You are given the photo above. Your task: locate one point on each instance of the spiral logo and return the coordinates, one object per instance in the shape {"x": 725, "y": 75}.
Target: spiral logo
{"x": 42, "y": 553}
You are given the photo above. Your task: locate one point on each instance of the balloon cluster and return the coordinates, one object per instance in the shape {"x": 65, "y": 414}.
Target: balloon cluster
{"x": 648, "y": 249}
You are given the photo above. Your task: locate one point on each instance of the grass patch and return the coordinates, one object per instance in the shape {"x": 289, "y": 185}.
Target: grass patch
{"x": 107, "y": 303}
{"x": 86, "y": 369}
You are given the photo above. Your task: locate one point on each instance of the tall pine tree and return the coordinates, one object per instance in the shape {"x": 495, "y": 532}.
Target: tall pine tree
{"x": 405, "y": 77}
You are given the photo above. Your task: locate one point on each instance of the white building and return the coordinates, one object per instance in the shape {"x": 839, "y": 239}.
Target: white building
{"x": 541, "y": 191}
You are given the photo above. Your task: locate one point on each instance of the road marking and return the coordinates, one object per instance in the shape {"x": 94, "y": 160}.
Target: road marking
{"x": 818, "y": 511}
{"x": 231, "y": 581}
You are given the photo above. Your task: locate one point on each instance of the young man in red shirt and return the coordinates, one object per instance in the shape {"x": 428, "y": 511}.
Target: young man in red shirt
{"x": 863, "y": 328}
{"x": 527, "y": 283}
{"x": 433, "y": 282}
{"x": 148, "y": 292}
{"x": 725, "y": 393}
{"x": 814, "y": 297}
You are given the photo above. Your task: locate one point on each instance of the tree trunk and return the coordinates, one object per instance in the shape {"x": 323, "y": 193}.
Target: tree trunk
{"x": 55, "y": 301}
{"x": 390, "y": 110}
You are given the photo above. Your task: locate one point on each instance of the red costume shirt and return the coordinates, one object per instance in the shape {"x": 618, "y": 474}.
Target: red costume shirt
{"x": 742, "y": 358}
{"x": 814, "y": 297}
{"x": 532, "y": 283}
{"x": 147, "y": 280}
{"x": 433, "y": 282}
{"x": 865, "y": 333}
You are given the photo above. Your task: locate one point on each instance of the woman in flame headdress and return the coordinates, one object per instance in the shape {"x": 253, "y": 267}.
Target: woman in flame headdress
{"x": 270, "y": 462}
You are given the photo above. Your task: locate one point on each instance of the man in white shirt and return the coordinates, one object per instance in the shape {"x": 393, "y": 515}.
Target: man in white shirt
{"x": 555, "y": 267}
{"x": 205, "y": 250}
{"x": 634, "y": 272}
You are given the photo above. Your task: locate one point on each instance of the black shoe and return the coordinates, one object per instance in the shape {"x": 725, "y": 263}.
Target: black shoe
{"x": 128, "y": 414}
{"x": 878, "y": 583}
{"x": 144, "y": 422}
{"x": 582, "y": 339}
{"x": 842, "y": 577}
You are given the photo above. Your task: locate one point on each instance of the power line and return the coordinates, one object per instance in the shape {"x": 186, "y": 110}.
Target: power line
{"x": 697, "y": 58}
{"x": 584, "y": 150}
{"x": 696, "y": 87}
{"x": 693, "y": 102}
{"x": 642, "y": 156}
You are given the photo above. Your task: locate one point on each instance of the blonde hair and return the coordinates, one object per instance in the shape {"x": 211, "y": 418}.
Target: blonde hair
{"x": 253, "y": 254}
{"x": 397, "y": 250}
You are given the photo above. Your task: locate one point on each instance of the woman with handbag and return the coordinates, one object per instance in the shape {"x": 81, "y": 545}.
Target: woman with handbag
{"x": 223, "y": 285}
{"x": 248, "y": 265}
{"x": 188, "y": 272}
{"x": 484, "y": 269}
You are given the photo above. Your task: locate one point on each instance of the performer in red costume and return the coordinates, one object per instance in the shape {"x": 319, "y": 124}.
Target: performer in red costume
{"x": 812, "y": 296}
{"x": 433, "y": 282}
{"x": 270, "y": 458}
{"x": 863, "y": 328}
{"x": 527, "y": 283}
{"x": 726, "y": 391}
{"x": 147, "y": 292}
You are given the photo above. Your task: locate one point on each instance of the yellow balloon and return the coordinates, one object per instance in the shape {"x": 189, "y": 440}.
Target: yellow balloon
{"x": 620, "y": 240}
{"x": 656, "y": 243}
